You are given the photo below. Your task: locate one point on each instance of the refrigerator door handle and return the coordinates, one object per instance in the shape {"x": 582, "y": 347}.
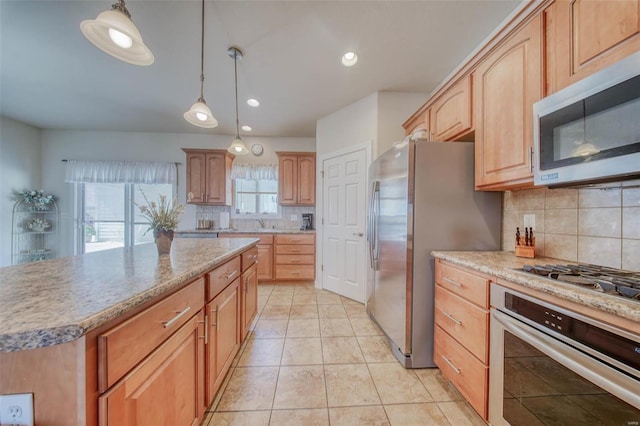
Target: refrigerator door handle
{"x": 370, "y": 215}
{"x": 375, "y": 249}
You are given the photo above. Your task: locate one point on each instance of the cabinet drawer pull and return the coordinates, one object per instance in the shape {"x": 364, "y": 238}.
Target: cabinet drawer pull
{"x": 448, "y": 315}
{"x": 230, "y": 274}
{"x": 206, "y": 330}
{"x": 456, "y": 369}
{"x": 295, "y": 251}
{"x": 450, "y": 281}
{"x": 215, "y": 311}
{"x": 169, "y": 323}
{"x": 295, "y": 260}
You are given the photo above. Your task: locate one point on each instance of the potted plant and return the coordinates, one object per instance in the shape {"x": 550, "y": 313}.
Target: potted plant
{"x": 38, "y": 200}
{"x": 163, "y": 220}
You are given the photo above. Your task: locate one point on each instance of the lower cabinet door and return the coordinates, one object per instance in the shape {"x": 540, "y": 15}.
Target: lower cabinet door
{"x": 165, "y": 388}
{"x": 224, "y": 318}
{"x": 249, "y": 298}
{"x": 265, "y": 262}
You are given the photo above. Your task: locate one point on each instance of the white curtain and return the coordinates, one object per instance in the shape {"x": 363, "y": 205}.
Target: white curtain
{"x": 120, "y": 172}
{"x": 254, "y": 171}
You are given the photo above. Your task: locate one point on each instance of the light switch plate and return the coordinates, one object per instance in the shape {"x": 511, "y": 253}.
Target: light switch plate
{"x": 16, "y": 409}
{"x": 530, "y": 221}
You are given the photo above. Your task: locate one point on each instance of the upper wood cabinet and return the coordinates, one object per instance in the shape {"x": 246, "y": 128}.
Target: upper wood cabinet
{"x": 297, "y": 178}
{"x": 450, "y": 114}
{"x": 209, "y": 176}
{"x": 419, "y": 120}
{"x": 506, "y": 85}
{"x": 584, "y": 36}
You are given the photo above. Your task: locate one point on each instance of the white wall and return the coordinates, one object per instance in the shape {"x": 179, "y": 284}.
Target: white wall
{"x": 19, "y": 170}
{"x": 89, "y": 145}
{"x": 395, "y": 108}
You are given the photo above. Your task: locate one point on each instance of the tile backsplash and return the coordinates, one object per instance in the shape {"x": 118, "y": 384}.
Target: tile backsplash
{"x": 284, "y": 222}
{"x": 590, "y": 225}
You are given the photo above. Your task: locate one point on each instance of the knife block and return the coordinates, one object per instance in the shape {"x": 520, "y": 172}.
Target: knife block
{"x": 526, "y": 251}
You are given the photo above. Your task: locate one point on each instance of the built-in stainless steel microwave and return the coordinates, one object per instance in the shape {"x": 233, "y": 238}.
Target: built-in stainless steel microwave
{"x": 589, "y": 132}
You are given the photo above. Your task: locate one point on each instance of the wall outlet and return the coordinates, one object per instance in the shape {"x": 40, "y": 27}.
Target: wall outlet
{"x": 16, "y": 409}
{"x": 294, "y": 217}
{"x": 530, "y": 221}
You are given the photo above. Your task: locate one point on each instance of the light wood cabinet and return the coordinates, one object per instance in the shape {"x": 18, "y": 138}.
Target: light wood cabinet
{"x": 585, "y": 36}
{"x": 224, "y": 326}
{"x": 249, "y": 298}
{"x": 209, "y": 176}
{"x": 506, "y": 84}
{"x": 461, "y": 348}
{"x": 165, "y": 388}
{"x": 265, "y": 253}
{"x": 419, "y": 120}
{"x": 295, "y": 257}
{"x": 297, "y": 178}
{"x": 450, "y": 114}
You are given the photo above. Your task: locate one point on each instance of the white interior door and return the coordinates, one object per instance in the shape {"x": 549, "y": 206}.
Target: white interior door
{"x": 344, "y": 213}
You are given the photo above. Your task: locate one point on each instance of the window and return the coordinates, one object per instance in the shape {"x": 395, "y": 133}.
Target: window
{"x": 109, "y": 218}
{"x": 255, "y": 198}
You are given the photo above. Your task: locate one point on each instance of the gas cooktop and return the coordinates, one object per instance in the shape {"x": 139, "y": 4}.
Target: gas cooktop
{"x": 600, "y": 278}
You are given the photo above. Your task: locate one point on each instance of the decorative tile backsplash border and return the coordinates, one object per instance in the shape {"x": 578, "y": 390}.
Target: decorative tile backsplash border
{"x": 285, "y": 222}
{"x": 590, "y": 225}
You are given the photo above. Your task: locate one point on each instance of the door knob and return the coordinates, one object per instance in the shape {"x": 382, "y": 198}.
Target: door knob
{"x": 358, "y": 234}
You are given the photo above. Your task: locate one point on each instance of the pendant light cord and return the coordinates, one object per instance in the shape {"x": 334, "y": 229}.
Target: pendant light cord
{"x": 202, "y": 58}
{"x": 235, "y": 70}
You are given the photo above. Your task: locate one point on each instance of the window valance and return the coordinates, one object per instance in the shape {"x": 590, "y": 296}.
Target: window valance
{"x": 254, "y": 171}
{"x": 82, "y": 171}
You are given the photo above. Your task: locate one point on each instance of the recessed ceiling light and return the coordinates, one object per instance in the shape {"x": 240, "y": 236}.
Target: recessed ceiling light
{"x": 246, "y": 128}
{"x": 349, "y": 59}
{"x": 253, "y": 102}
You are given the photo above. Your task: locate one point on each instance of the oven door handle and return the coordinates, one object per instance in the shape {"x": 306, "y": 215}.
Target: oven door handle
{"x": 598, "y": 373}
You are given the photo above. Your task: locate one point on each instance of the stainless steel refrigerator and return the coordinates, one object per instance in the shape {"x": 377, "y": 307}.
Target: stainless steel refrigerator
{"x": 421, "y": 199}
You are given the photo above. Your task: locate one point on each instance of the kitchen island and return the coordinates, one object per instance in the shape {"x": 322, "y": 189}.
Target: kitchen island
{"x": 63, "y": 321}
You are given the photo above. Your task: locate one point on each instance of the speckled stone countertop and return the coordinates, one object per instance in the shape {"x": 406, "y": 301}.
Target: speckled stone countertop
{"x": 247, "y": 231}
{"x": 505, "y": 265}
{"x": 56, "y": 301}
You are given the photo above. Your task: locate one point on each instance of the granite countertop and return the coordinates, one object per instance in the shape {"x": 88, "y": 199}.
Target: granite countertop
{"x": 57, "y": 301}
{"x": 247, "y": 231}
{"x": 505, "y": 265}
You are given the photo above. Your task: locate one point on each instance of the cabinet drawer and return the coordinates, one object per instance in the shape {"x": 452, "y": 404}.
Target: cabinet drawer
{"x": 295, "y": 249}
{"x": 249, "y": 257}
{"x": 465, "y": 284}
{"x": 468, "y": 375}
{"x": 264, "y": 238}
{"x": 295, "y": 259}
{"x": 465, "y": 322}
{"x": 222, "y": 276}
{"x": 125, "y": 345}
{"x": 293, "y": 272}
{"x": 295, "y": 239}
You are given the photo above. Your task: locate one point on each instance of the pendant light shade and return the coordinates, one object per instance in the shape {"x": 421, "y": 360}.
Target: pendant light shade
{"x": 237, "y": 146}
{"x": 199, "y": 114}
{"x": 114, "y": 33}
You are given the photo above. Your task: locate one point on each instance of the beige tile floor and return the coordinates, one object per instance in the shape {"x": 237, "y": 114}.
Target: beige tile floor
{"x": 315, "y": 358}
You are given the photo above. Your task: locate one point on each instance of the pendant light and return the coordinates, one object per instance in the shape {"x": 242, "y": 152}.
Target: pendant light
{"x": 199, "y": 114}
{"x": 114, "y": 33}
{"x": 237, "y": 146}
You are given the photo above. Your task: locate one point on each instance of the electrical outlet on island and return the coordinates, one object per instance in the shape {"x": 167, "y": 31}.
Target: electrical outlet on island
{"x": 530, "y": 221}
{"x": 16, "y": 409}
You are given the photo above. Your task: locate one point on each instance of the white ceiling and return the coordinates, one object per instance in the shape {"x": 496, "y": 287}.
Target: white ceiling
{"x": 52, "y": 77}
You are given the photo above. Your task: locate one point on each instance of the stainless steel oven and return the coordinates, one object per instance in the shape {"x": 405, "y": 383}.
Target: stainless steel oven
{"x": 589, "y": 132}
{"x": 551, "y": 366}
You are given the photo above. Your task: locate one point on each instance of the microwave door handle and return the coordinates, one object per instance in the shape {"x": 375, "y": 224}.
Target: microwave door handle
{"x": 592, "y": 370}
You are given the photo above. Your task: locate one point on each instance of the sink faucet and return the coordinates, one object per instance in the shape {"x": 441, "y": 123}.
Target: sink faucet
{"x": 261, "y": 222}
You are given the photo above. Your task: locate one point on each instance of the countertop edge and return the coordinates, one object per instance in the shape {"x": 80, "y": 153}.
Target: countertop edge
{"x": 44, "y": 337}
{"x": 589, "y": 298}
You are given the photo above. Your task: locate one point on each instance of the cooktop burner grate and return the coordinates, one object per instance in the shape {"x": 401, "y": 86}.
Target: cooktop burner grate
{"x": 600, "y": 278}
